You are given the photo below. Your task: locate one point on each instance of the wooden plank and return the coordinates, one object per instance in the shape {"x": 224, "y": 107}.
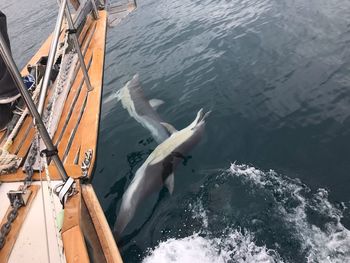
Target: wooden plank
{"x": 43, "y": 51}
{"x": 76, "y": 144}
{"x": 91, "y": 115}
{"x": 72, "y": 235}
{"x": 87, "y": 137}
{"x": 72, "y": 122}
{"x": 23, "y": 140}
{"x": 69, "y": 108}
{"x": 74, "y": 244}
{"x": 16, "y": 225}
{"x": 73, "y": 170}
{"x": 21, "y": 135}
{"x": 102, "y": 228}
{"x": 92, "y": 241}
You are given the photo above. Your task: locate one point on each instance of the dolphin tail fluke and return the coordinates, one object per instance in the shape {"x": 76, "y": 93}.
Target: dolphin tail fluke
{"x": 169, "y": 183}
{"x": 206, "y": 115}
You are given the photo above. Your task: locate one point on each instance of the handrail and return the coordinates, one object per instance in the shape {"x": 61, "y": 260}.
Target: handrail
{"x": 51, "y": 57}
{"x": 16, "y": 76}
{"x": 63, "y": 11}
{"x": 77, "y": 47}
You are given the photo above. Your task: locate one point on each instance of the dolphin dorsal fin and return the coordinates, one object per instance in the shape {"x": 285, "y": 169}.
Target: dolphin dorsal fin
{"x": 170, "y": 128}
{"x": 155, "y": 103}
{"x": 169, "y": 183}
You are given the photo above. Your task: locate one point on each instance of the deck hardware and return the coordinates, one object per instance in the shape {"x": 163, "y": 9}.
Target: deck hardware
{"x": 85, "y": 165}
{"x": 94, "y": 10}
{"x": 49, "y": 153}
{"x": 6, "y": 227}
{"x": 64, "y": 190}
{"x": 11, "y": 65}
{"x": 51, "y": 57}
{"x": 20, "y": 195}
{"x": 72, "y": 33}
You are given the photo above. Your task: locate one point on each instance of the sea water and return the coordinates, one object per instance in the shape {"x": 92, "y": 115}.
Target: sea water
{"x": 270, "y": 181}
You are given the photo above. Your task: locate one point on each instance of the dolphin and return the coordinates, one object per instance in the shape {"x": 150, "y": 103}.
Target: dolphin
{"x": 158, "y": 169}
{"x": 141, "y": 109}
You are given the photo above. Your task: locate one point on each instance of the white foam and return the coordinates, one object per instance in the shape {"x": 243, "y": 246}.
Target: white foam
{"x": 329, "y": 244}
{"x": 325, "y": 240}
{"x": 198, "y": 212}
{"x": 233, "y": 247}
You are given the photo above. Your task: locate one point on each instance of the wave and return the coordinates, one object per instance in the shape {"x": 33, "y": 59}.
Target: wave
{"x": 280, "y": 220}
{"x": 309, "y": 216}
{"x": 233, "y": 247}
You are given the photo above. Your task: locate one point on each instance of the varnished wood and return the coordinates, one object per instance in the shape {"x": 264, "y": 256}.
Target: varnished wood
{"x": 76, "y": 229}
{"x": 92, "y": 241}
{"x": 72, "y": 234}
{"x": 23, "y": 140}
{"x": 92, "y": 112}
{"x": 75, "y": 249}
{"x": 16, "y": 225}
{"x": 101, "y": 225}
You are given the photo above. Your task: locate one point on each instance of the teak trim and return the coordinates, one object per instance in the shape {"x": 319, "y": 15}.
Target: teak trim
{"x": 11, "y": 238}
{"x": 72, "y": 235}
{"x": 102, "y": 228}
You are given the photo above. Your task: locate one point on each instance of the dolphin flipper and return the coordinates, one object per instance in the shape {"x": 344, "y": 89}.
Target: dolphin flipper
{"x": 155, "y": 103}
{"x": 169, "y": 183}
{"x": 170, "y": 128}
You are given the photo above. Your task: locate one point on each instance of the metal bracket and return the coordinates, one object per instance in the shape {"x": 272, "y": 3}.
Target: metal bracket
{"x": 71, "y": 31}
{"x": 49, "y": 153}
{"x": 64, "y": 190}
{"x": 20, "y": 195}
{"x": 85, "y": 165}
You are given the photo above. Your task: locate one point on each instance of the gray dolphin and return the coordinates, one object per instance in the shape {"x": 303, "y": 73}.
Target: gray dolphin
{"x": 141, "y": 109}
{"x": 158, "y": 169}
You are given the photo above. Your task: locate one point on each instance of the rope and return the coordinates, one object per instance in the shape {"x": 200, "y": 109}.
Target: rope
{"x": 57, "y": 91}
{"x": 44, "y": 210}
{"x": 10, "y": 162}
{"x": 54, "y": 212}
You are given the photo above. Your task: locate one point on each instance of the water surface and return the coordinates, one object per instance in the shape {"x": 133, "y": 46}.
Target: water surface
{"x": 269, "y": 182}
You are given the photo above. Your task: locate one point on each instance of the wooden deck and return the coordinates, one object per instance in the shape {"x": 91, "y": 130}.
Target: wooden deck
{"x": 77, "y": 129}
{"x": 77, "y": 133}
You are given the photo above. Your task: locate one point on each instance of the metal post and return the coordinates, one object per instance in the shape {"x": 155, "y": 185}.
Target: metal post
{"x": 16, "y": 76}
{"x": 94, "y": 10}
{"x": 77, "y": 47}
{"x": 51, "y": 57}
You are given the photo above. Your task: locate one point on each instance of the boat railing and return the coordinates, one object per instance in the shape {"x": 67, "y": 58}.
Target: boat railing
{"x": 36, "y": 112}
{"x": 63, "y": 11}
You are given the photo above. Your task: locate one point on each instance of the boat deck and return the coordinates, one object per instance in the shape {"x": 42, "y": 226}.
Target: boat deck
{"x": 77, "y": 129}
{"x": 76, "y": 134}
{"x": 31, "y": 222}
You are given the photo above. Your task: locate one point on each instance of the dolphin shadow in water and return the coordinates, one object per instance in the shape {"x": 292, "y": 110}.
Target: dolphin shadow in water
{"x": 133, "y": 159}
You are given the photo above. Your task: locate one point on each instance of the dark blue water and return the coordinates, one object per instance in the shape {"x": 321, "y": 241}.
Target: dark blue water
{"x": 270, "y": 180}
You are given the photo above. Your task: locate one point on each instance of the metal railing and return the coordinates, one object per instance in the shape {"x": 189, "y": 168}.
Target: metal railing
{"x": 37, "y": 112}
{"x": 16, "y": 76}
{"x": 63, "y": 11}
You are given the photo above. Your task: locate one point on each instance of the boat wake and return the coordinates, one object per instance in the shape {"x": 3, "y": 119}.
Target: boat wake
{"x": 233, "y": 247}
{"x": 244, "y": 214}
